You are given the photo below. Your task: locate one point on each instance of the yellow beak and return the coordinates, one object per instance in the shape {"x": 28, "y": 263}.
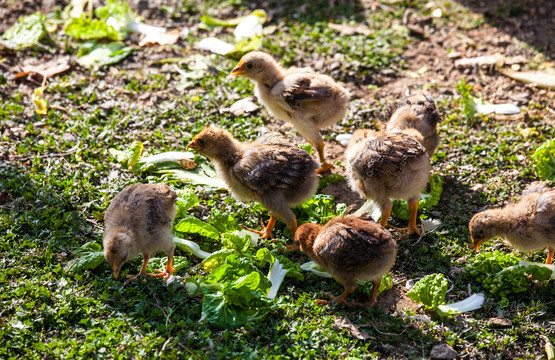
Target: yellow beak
{"x": 476, "y": 244}
{"x": 238, "y": 70}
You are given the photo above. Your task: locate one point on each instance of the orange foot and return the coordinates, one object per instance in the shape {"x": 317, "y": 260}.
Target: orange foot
{"x": 336, "y": 299}
{"x": 324, "y": 167}
{"x": 265, "y": 234}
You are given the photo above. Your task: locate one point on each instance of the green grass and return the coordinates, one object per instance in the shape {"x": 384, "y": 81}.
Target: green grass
{"x": 61, "y": 178}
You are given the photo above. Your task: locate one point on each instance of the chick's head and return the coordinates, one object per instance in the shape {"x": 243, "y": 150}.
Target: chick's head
{"x": 255, "y": 65}
{"x": 305, "y": 236}
{"x": 213, "y": 143}
{"x": 118, "y": 248}
{"x": 482, "y": 228}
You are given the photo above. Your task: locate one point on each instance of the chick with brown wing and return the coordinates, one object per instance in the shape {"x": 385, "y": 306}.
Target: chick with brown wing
{"x": 384, "y": 166}
{"x": 307, "y": 100}
{"x": 350, "y": 248}
{"x": 139, "y": 221}
{"x": 527, "y": 225}
{"x": 418, "y": 112}
{"x": 268, "y": 170}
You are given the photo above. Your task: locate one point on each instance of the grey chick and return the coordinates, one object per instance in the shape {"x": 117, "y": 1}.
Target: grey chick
{"x": 418, "y": 112}
{"x": 139, "y": 221}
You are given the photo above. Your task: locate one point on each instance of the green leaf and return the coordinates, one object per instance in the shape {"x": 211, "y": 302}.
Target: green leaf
{"x": 116, "y": 13}
{"x": 90, "y": 256}
{"x": 211, "y": 21}
{"x": 223, "y": 221}
{"x": 236, "y": 241}
{"x": 129, "y": 157}
{"x": 27, "y": 32}
{"x": 319, "y": 209}
{"x": 244, "y": 46}
{"x": 192, "y": 225}
{"x": 186, "y": 199}
{"x": 468, "y": 102}
{"x": 427, "y": 200}
{"x": 216, "y": 259}
{"x": 96, "y": 55}
{"x": 543, "y": 160}
{"x": 160, "y": 263}
{"x": 306, "y": 147}
{"x": 88, "y": 29}
{"x": 430, "y": 291}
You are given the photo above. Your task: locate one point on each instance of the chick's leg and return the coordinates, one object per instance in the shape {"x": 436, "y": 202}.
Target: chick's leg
{"x": 267, "y": 232}
{"x": 550, "y": 255}
{"x": 325, "y": 166}
{"x": 341, "y": 299}
{"x": 169, "y": 268}
{"x": 142, "y": 272}
{"x": 373, "y": 300}
{"x": 386, "y": 211}
{"x": 413, "y": 210}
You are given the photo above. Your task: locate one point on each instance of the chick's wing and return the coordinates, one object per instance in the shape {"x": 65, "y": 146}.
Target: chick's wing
{"x": 296, "y": 89}
{"x": 387, "y": 155}
{"x": 271, "y": 166}
{"x": 151, "y": 205}
{"x": 348, "y": 248}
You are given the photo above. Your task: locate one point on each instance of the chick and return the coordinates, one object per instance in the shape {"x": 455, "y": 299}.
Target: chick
{"x": 527, "y": 225}
{"x": 139, "y": 221}
{"x": 383, "y": 166}
{"x": 268, "y": 170}
{"x": 307, "y": 100}
{"x": 418, "y": 112}
{"x": 349, "y": 248}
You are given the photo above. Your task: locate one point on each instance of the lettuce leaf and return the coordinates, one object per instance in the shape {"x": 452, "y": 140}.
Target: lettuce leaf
{"x": 27, "y": 32}
{"x": 88, "y": 29}
{"x": 89, "y": 256}
{"x": 543, "y": 161}
{"x": 430, "y": 291}
{"x": 192, "y": 225}
{"x": 95, "y": 55}
{"x": 319, "y": 209}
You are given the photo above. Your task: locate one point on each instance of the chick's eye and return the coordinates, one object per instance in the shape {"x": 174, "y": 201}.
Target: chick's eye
{"x": 250, "y": 66}
{"x": 200, "y": 141}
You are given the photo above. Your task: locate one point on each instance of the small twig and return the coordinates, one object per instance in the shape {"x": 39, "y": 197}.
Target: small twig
{"x": 69, "y": 152}
{"x": 381, "y": 332}
{"x": 189, "y": 351}
{"x": 166, "y": 343}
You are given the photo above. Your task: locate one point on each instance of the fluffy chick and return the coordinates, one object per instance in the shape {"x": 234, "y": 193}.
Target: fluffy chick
{"x": 384, "y": 165}
{"x": 307, "y": 100}
{"x": 139, "y": 221}
{"x": 268, "y": 170}
{"x": 418, "y": 112}
{"x": 527, "y": 225}
{"x": 349, "y": 248}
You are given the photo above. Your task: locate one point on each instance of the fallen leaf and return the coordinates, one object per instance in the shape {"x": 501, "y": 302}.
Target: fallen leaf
{"x": 488, "y": 60}
{"x": 344, "y": 323}
{"x": 41, "y": 105}
{"x": 345, "y": 29}
{"x": 215, "y": 45}
{"x": 249, "y": 27}
{"x": 188, "y": 164}
{"x": 48, "y": 69}
{"x": 540, "y": 78}
{"x": 243, "y": 107}
{"x": 160, "y": 38}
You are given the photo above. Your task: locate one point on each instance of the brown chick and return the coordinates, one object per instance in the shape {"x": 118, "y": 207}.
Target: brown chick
{"x": 307, "y": 100}
{"x": 349, "y": 248}
{"x": 268, "y": 170}
{"x": 418, "y": 112}
{"x": 383, "y": 166}
{"x": 139, "y": 221}
{"x": 527, "y": 225}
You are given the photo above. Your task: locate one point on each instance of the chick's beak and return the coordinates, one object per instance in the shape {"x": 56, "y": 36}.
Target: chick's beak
{"x": 192, "y": 145}
{"x": 238, "y": 70}
{"x": 116, "y": 270}
{"x": 476, "y": 244}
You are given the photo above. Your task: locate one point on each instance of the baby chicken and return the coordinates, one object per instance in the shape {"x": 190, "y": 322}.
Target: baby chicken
{"x": 419, "y": 112}
{"x": 307, "y": 100}
{"x": 383, "y": 166}
{"x": 527, "y": 225}
{"x": 139, "y": 221}
{"x": 349, "y": 248}
{"x": 268, "y": 170}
